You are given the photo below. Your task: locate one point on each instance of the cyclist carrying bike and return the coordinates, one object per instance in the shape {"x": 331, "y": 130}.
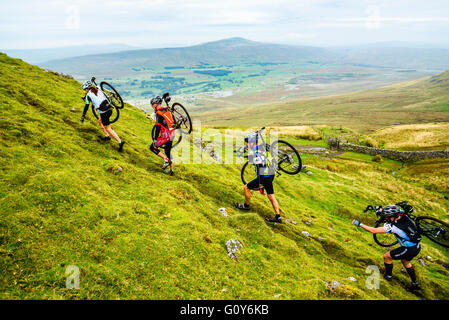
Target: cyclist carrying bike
{"x": 265, "y": 176}
{"x": 165, "y": 132}
{"x": 100, "y": 102}
{"x": 406, "y": 232}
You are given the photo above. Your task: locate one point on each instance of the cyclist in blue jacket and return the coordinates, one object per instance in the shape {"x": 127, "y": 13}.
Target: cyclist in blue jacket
{"x": 405, "y": 231}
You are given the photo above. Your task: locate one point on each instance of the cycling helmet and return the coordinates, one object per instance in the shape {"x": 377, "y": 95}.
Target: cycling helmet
{"x": 251, "y": 137}
{"x": 156, "y": 100}
{"x": 86, "y": 84}
{"x": 391, "y": 211}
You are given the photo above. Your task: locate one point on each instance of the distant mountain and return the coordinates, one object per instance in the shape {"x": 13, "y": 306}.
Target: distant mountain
{"x": 223, "y": 52}
{"x": 396, "y": 56}
{"x": 37, "y": 56}
{"x": 240, "y": 50}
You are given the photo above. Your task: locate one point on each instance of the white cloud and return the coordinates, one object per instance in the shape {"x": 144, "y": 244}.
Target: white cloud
{"x": 152, "y": 23}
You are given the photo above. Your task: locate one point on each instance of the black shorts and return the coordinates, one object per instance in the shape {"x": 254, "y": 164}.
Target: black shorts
{"x": 105, "y": 117}
{"x": 405, "y": 253}
{"x": 266, "y": 181}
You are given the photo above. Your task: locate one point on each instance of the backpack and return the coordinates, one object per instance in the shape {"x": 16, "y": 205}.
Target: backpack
{"x": 408, "y": 226}
{"x": 167, "y": 115}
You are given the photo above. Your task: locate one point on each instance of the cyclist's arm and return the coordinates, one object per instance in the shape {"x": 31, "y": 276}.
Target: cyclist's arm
{"x": 373, "y": 230}
{"x": 86, "y": 106}
{"x": 158, "y": 131}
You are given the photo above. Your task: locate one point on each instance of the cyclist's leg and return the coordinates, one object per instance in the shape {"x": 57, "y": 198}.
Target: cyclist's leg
{"x": 252, "y": 185}
{"x": 102, "y": 126}
{"x": 388, "y": 262}
{"x": 112, "y": 132}
{"x": 274, "y": 203}
{"x": 168, "y": 147}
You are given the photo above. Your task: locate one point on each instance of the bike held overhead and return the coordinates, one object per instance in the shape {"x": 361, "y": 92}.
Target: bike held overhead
{"x": 164, "y": 133}
{"x": 102, "y": 104}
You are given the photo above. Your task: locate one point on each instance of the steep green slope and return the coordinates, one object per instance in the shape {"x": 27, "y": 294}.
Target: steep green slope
{"x": 424, "y": 100}
{"x": 142, "y": 234}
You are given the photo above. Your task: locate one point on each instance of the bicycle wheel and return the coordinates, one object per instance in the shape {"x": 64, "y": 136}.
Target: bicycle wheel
{"x": 113, "y": 96}
{"x": 434, "y": 229}
{"x": 182, "y": 118}
{"x": 384, "y": 239}
{"x": 114, "y": 117}
{"x": 286, "y": 157}
{"x": 248, "y": 173}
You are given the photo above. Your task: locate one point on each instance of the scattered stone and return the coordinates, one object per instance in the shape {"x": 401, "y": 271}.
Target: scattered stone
{"x": 309, "y": 173}
{"x": 332, "y": 229}
{"x": 307, "y": 222}
{"x": 429, "y": 258}
{"x": 116, "y": 170}
{"x": 290, "y": 221}
{"x": 352, "y": 279}
{"x": 421, "y": 262}
{"x": 224, "y": 290}
{"x": 306, "y": 234}
{"x": 232, "y": 247}
{"x": 348, "y": 240}
{"x": 276, "y": 296}
{"x": 223, "y": 212}
{"x": 321, "y": 238}
{"x": 333, "y": 285}
{"x": 443, "y": 264}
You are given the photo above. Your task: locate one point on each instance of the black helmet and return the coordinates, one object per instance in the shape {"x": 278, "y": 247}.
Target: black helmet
{"x": 391, "y": 211}
{"x": 156, "y": 100}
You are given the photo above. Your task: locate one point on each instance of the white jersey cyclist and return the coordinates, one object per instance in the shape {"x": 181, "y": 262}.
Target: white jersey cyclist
{"x": 98, "y": 101}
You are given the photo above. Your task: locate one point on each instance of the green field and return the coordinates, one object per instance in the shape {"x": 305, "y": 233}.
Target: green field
{"x": 419, "y": 101}
{"x": 141, "y": 234}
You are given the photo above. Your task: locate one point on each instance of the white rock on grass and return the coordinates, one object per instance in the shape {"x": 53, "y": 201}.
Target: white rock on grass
{"x": 309, "y": 173}
{"x": 421, "y": 262}
{"x": 223, "y": 212}
{"x": 232, "y": 247}
{"x": 352, "y": 279}
{"x": 306, "y": 234}
{"x": 333, "y": 285}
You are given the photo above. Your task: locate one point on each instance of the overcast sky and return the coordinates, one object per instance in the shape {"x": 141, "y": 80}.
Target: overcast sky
{"x": 163, "y": 23}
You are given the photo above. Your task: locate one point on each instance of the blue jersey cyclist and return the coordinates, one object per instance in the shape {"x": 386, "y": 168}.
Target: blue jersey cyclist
{"x": 265, "y": 176}
{"x": 407, "y": 234}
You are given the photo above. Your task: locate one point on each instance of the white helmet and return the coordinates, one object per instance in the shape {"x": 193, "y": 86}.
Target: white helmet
{"x": 86, "y": 84}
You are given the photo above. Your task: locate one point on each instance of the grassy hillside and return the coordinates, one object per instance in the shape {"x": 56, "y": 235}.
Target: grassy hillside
{"x": 424, "y": 100}
{"x": 141, "y": 234}
{"x": 415, "y": 136}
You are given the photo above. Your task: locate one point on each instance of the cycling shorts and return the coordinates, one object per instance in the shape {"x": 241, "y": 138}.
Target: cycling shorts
{"x": 267, "y": 183}
{"x": 405, "y": 253}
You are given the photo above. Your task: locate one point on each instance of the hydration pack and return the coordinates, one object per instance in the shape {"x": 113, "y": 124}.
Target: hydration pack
{"x": 167, "y": 115}
{"x": 408, "y": 226}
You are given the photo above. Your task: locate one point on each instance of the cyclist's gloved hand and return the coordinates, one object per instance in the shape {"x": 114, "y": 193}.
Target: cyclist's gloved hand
{"x": 82, "y": 119}
{"x": 356, "y": 222}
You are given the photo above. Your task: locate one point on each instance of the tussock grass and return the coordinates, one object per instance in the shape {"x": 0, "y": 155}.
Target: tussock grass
{"x": 415, "y": 136}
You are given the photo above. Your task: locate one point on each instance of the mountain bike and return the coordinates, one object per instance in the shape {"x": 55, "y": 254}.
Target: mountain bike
{"x": 113, "y": 97}
{"x": 183, "y": 122}
{"x": 284, "y": 156}
{"x": 434, "y": 229}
